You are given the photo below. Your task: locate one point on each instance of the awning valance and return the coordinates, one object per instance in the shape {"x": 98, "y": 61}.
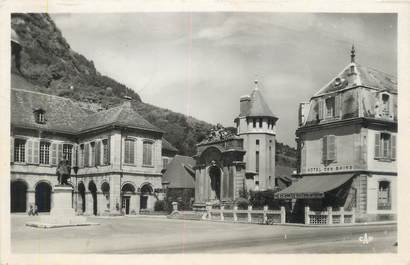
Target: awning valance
{"x": 313, "y": 187}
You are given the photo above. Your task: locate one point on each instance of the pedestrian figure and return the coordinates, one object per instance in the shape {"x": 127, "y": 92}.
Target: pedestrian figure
{"x": 35, "y": 210}
{"x": 31, "y": 212}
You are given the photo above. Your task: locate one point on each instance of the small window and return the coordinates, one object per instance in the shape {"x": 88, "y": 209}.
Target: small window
{"x": 257, "y": 142}
{"x": 44, "y": 153}
{"x": 276, "y": 182}
{"x": 67, "y": 152}
{"x": 260, "y": 123}
{"x": 106, "y": 156}
{"x": 147, "y": 154}
{"x": 254, "y": 123}
{"x": 257, "y": 161}
{"x": 330, "y": 107}
{"x": 383, "y": 200}
{"x": 39, "y": 115}
{"x": 129, "y": 151}
{"x": 19, "y": 150}
{"x": 385, "y": 107}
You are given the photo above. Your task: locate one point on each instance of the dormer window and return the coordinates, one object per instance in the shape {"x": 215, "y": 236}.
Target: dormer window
{"x": 330, "y": 107}
{"x": 39, "y": 115}
{"x": 385, "y": 105}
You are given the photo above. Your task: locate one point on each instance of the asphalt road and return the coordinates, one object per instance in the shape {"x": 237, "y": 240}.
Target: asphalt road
{"x": 129, "y": 235}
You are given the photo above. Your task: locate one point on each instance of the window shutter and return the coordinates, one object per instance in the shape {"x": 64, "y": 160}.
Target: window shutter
{"x": 11, "y": 149}
{"x": 81, "y": 156}
{"x": 60, "y": 153}
{"x": 54, "y": 154}
{"x": 377, "y": 147}
{"x": 98, "y": 153}
{"x": 86, "y": 155}
{"x": 338, "y": 106}
{"x": 331, "y": 147}
{"x": 36, "y": 153}
{"x": 29, "y": 151}
{"x": 135, "y": 151}
{"x": 324, "y": 148}
{"x": 109, "y": 151}
{"x": 393, "y": 147}
{"x": 74, "y": 155}
{"x": 320, "y": 102}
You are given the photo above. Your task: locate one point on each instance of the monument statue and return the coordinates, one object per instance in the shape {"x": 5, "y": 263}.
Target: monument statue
{"x": 63, "y": 171}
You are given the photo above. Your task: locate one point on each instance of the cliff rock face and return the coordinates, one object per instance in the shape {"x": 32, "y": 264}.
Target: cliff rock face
{"x": 47, "y": 61}
{"x": 47, "y": 64}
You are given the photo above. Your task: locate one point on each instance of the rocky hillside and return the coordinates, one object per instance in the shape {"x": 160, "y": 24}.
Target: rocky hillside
{"x": 51, "y": 66}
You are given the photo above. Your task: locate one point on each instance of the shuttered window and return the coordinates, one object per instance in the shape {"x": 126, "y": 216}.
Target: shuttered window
{"x": 44, "y": 153}
{"x": 68, "y": 152}
{"x": 106, "y": 151}
{"x": 87, "y": 155}
{"x": 19, "y": 150}
{"x": 329, "y": 148}
{"x": 98, "y": 153}
{"x": 54, "y": 154}
{"x": 92, "y": 154}
{"x": 129, "y": 151}
{"x": 385, "y": 146}
{"x": 147, "y": 154}
{"x": 257, "y": 161}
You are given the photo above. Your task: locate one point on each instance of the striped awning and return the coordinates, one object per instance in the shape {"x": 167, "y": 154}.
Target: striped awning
{"x": 313, "y": 187}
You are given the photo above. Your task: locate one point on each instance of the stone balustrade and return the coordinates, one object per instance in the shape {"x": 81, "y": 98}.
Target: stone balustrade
{"x": 329, "y": 217}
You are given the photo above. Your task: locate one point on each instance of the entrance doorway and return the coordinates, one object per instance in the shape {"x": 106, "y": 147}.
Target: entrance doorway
{"x": 18, "y": 197}
{"x": 126, "y": 204}
{"x": 81, "y": 191}
{"x": 93, "y": 189}
{"x": 146, "y": 191}
{"x": 215, "y": 175}
{"x": 127, "y": 191}
{"x": 43, "y": 197}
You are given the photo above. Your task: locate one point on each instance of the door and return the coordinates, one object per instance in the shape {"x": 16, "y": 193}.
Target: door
{"x": 126, "y": 204}
{"x": 143, "y": 202}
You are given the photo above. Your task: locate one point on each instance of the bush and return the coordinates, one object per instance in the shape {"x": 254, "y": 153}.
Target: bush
{"x": 258, "y": 199}
{"x": 242, "y": 203}
{"x": 160, "y": 205}
{"x": 184, "y": 197}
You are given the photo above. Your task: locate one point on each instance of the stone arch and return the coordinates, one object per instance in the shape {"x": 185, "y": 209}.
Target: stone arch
{"x": 105, "y": 189}
{"x": 146, "y": 194}
{"x": 43, "y": 190}
{"x": 127, "y": 193}
{"x": 92, "y": 187}
{"x": 215, "y": 173}
{"x": 18, "y": 196}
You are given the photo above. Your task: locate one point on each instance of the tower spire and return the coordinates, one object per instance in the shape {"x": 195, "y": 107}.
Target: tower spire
{"x": 352, "y": 54}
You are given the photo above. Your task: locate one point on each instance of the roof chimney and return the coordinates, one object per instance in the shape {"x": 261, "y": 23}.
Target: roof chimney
{"x": 245, "y": 105}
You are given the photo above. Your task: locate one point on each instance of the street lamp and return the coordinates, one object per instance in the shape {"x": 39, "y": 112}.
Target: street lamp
{"x": 75, "y": 168}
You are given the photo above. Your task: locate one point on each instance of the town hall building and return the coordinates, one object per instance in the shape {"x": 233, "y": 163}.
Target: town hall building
{"x": 116, "y": 156}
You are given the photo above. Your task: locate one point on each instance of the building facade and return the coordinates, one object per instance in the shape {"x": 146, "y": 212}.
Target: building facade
{"x": 347, "y": 139}
{"x": 115, "y": 155}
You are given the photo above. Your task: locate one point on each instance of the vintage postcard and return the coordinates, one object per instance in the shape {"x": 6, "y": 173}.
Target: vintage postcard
{"x": 226, "y": 132}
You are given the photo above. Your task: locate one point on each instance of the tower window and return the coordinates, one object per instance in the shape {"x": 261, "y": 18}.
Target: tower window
{"x": 254, "y": 123}
{"x": 260, "y": 123}
{"x": 257, "y": 161}
{"x": 257, "y": 142}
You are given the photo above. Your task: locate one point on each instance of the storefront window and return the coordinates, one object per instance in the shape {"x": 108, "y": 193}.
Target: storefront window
{"x": 383, "y": 202}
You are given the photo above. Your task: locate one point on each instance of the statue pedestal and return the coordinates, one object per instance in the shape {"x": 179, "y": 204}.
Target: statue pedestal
{"x": 62, "y": 214}
{"x": 62, "y": 201}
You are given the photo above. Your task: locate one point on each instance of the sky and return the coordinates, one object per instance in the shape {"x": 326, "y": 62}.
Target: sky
{"x": 200, "y": 64}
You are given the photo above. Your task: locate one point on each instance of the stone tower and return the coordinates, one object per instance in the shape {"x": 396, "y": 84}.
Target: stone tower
{"x": 256, "y": 126}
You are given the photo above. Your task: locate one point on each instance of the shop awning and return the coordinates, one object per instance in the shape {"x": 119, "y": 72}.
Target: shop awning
{"x": 313, "y": 187}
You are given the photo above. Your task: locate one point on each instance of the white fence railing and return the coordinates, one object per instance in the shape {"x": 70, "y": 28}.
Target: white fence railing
{"x": 264, "y": 216}
{"x": 329, "y": 216}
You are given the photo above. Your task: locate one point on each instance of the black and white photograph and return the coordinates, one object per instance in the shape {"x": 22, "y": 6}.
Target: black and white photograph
{"x": 206, "y": 132}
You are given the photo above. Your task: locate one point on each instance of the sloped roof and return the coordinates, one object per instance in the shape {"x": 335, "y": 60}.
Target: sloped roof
{"x": 179, "y": 172}
{"x": 62, "y": 114}
{"x": 65, "y": 115}
{"x": 282, "y": 171}
{"x": 168, "y": 146}
{"x": 123, "y": 115}
{"x": 365, "y": 76}
{"x": 259, "y": 108}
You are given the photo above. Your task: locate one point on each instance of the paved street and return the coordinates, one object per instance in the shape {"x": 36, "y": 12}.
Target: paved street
{"x": 126, "y": 235}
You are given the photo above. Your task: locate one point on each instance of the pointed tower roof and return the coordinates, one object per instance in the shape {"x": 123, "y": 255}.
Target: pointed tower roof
{"x": 258, "y": 107}
{"x": 355, "y": 74}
